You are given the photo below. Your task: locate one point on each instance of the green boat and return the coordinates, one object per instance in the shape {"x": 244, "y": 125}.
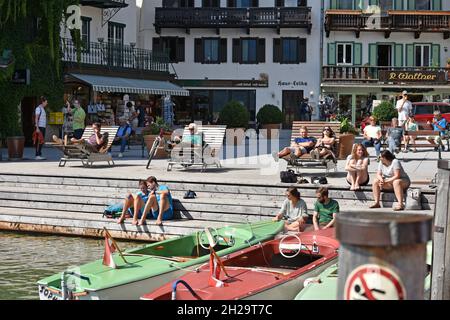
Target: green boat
{"x": 324, "y": 287}
{"x": 149, "y": 267}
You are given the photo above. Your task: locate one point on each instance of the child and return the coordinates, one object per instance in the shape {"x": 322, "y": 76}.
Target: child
{"x": 410, "y": 125}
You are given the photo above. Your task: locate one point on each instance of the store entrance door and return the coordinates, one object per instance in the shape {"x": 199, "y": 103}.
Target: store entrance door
{"x": 291, "y": 103}
{"x": 27, "y": 107}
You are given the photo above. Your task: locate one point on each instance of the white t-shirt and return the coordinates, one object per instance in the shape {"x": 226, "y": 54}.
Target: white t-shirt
{"x": 372, "y": 131}
{"x": 40, "y": 112}
{"x": 404, "y": 112}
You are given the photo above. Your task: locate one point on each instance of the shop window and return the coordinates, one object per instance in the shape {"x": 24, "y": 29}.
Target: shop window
{"x": 422, "y": 55}
{"x": 174, "y": 46}
{"x": 344, "y": 54}
{"x": 210, "y": 50}
{"x": 289, "y": 50}
{"x": 242, "y": 3}
{"x": 178, "y": 3}
{"x": 249, "y": 50}
{"x": 291, "y": 3}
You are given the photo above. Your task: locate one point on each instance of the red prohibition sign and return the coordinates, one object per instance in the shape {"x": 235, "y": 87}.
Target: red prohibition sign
{"x": 372, "y": 281}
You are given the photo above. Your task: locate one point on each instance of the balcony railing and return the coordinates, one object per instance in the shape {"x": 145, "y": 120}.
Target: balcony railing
{"x": 114, "y": 56}
{"x": 104, "y": 4}
{"x": 233, "y": 18}
{"x": 377, "y": 74}
{"x": 389, "y": 21}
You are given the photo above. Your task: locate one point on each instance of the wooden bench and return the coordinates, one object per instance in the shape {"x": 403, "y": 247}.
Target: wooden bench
{"x": 78, "y": 152}
{"x": 420, "y": 135}
{"x": 315, "y": 130}
{"x": 213, "y": 137}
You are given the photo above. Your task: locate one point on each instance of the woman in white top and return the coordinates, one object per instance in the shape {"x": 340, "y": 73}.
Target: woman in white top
{"x": 357, "y": 167}
{"x": 390, "y": 175}
{"x": 40, "y": 123}
{"x": 372, "y": 136}
{"x": 293, "y": 210}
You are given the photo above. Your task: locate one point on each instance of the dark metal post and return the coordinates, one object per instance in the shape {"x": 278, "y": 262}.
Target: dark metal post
{"x": 440, "y": 276}
{"x": 382, "y": 255}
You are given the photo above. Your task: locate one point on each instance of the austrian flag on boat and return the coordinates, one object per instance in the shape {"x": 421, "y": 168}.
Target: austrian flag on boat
{"x": 215, "y": 266}
{"x": 108, "y": 254}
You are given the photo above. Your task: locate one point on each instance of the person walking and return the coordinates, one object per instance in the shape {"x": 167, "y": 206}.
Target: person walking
{"x": 40, "y": 122}
{"x": 404, "y": 108}
{"x": 79, "y": 117}
{"x": 308, "y": 109}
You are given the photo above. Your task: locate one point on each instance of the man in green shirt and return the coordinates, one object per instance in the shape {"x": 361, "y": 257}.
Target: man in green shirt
{"x": 325, "y": 210}
{"x": 78, "y": 120}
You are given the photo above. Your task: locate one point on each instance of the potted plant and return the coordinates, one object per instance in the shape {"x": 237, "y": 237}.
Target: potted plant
{"x": 346, "y": 138}
{"x": 235, "y": 116}
{"x": 270, "y": 117}
{"x": 152, "y": 131}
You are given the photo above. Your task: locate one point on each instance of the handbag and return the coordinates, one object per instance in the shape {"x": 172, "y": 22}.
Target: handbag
{"x": 319, "y": 180}
{"x": 190, "y": 195}
{"x": 288, "y": 176}
{"x": 413, "y": 199}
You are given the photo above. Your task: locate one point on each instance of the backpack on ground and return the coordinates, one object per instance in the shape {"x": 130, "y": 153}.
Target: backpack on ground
{"x": 288, "y": 176}
{"x": 113, "y": 211}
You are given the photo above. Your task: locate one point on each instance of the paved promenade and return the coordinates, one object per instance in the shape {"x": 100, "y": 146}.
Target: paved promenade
{"x": 421, "y": 167}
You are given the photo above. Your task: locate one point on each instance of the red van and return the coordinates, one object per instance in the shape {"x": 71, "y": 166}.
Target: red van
{"x": 423, "y": 111}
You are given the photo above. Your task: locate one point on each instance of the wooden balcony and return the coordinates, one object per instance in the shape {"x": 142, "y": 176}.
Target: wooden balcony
{"x": 114, "y": 57}
{"x": 388, "y": 21}
{"x": 218, "y": 18}
{"x": 385, "y": 75}
{"x": 104, "y": 4}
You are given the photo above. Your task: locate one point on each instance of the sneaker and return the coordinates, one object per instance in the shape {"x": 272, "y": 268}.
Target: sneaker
{"x": 121, "y": 155}
{"x": 314, "y": 154}
{"x": 275, "y": 156}
{"x": 405, "y": 150}
{"x": 40, "y": 158}
{"x": 378, "y": 158}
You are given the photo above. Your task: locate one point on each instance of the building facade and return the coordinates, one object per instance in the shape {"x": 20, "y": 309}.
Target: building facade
{"x": 375, "y": 49}
{"x": 256, "y": 52}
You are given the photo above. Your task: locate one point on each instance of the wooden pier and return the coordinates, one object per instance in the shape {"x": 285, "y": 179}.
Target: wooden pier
{"x": 74, "y": 205}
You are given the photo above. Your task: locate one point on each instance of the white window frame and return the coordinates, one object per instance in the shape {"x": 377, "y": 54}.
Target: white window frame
{"x": 345, "y": 58}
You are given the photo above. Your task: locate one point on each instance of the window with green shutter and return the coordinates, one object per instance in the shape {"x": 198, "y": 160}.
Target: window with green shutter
{"x": 357, "y": 54}
{"x": 437, "y": 5}
{"x": 409, "y": 55}
{"x": 398, "y": 4}
{"x": 373, "y": 54}
{"x": 436, "y": 55}
{"x": 331, "y": 53}
{"x": 398, "y": 55}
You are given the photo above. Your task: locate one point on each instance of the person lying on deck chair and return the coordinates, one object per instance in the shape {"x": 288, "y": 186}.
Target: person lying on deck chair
{"x": 325, "y": 146}
{"x": 194, "y": 141}
{"x": 299, "y": 147}
{"x": 293, "y": 210}
{"x": 134, "y": 205}
{"x": 94, "y": 143}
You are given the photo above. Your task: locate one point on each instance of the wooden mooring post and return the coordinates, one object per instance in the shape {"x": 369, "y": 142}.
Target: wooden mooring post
{"x": 440, "y": 275}
{"x": 382, "y": 255}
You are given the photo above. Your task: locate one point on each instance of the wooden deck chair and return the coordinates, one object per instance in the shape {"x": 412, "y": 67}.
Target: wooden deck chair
{"x": 314, "y": 130}
{"x": 78, "y": 152}
{"x": 213, "y": 136}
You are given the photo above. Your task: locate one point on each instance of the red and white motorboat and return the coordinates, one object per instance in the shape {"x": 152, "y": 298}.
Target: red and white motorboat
{"x": 268, "y": 271}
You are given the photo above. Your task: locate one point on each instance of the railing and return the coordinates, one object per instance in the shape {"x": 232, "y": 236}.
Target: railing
{"x": 369, "y": 74}
{"x": 114, "y": 56}
{"x": 104, "y": 3}
{"x": 232, "y": 17}
{"x": 421, "y": 21}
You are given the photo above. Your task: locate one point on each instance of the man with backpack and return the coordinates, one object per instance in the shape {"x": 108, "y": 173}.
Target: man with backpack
{"x": 40, "y": 123}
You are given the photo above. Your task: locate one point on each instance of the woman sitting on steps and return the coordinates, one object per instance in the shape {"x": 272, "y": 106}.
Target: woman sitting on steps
{"x": 390, "y": 176}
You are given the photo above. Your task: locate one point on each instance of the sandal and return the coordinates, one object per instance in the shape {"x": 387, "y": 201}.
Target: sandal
{"x": 375, "y": 206}
{"x": 399, "y": 208}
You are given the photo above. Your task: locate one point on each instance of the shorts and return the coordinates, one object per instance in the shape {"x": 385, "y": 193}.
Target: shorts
{"x": 437, "y": 139}
{"x": 302, "y": 149}
{"x": 361, "y": 184}
{"x": 167, "y": 215}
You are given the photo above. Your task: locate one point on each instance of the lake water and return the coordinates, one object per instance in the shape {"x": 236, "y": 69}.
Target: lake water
{"x": 25, "y": 258}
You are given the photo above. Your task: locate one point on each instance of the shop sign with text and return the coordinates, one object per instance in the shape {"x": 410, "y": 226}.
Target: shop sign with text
{"x": 413, "y": 76}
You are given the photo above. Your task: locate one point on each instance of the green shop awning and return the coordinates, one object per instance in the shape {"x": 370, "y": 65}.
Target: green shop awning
{"x": 125, "y": 85}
